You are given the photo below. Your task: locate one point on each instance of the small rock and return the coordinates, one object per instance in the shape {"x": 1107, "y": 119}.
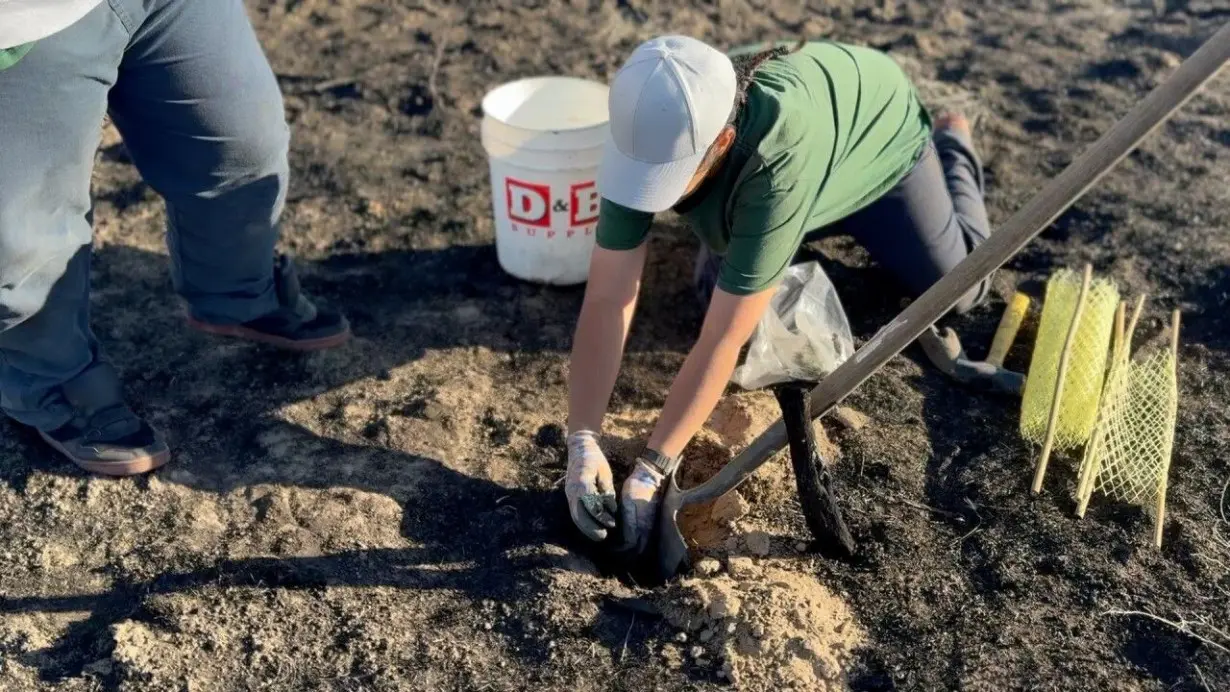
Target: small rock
{"x": 758, "y": 630}
{"x": 741, "y": 567}
{"x": 697, "y": 652}
{"x": 851, "y": 419}
{"x": 758, "y": 543}
{"x": 681, "y": 638}
{"x": 487, "y": 626}
{"x": 724, "y": 606}
{"x": 708, "y": 567}
{"x": 706, "y": 636}
{"x": 800, "y": 547}
{"x": 730, "y": 628}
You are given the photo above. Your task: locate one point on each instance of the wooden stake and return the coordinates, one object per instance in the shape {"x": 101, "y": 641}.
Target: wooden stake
{"x": 1048, "y": 442}
{"x": 1169, "y": 446}
{"x": 1091, "y": 469}
{"x": 1131, "y": 330}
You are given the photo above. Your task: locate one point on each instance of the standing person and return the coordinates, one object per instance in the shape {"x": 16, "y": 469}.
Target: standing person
{"x": 759, "y": 153}
{"x": 198, "y": 106}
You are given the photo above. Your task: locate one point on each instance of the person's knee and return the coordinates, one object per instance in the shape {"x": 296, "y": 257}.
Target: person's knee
{"x": 254, "y": 142}
{"x": 220, "y": 147}
{"x": 973, "y": 298}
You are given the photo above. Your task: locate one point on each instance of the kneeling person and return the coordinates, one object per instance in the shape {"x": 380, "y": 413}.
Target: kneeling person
{"x": 760, "y": 153}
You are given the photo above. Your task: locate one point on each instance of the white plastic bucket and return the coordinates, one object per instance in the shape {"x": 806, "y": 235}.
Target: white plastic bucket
{"x": 544, "y": 139}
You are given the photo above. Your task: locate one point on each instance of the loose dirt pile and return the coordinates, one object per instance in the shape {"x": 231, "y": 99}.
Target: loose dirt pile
{"x": 768, "y": 629}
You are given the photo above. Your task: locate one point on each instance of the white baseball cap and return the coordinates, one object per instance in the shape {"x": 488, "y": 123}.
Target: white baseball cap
{"x": 667, "y": 104}
{"x": 23, "y": 21}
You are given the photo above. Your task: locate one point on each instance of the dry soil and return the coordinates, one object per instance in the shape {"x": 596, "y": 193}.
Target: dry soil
{"x": 388, "y": 516}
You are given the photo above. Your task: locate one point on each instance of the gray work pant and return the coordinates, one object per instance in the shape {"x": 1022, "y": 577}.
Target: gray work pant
{"x": 919, "y": 230}
{"x": 198, "y": 106}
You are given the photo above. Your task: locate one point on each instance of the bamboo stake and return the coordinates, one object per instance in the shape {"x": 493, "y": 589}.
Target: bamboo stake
{"x": 1120, "y": 324}
{"x": 1091, "y": 469}
{"x": 1169, "y": 446}
{"x": 1048, "y": 442}
{"x": 1131, "y": 330}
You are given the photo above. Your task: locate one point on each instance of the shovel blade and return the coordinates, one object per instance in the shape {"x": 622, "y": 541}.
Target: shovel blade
{"x": 672, "y": 555}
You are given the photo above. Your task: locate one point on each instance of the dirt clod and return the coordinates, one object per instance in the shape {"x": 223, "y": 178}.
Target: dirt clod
{"x": 758, "y": 543}
{"x": 741, "y": 567}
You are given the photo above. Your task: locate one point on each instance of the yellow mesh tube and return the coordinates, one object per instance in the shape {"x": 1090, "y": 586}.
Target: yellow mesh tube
{"x": 1135, "y": 431}
{"x": 1078, "y": 409}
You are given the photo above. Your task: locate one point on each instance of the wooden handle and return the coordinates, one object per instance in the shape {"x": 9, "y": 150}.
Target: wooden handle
{"x": 1054, "y": 198}
{"x": 1009, "y": 325}
{"x": 1061, "y": 378}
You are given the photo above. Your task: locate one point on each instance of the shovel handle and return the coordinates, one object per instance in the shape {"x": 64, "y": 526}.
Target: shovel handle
{"x": 1054, "y": 198}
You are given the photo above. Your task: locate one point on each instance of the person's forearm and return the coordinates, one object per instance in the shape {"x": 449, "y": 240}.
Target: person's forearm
{"x": 597, "y": 350}
{"x": 694, "y": 394}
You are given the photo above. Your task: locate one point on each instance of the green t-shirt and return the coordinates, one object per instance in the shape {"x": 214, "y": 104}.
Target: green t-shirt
{"x": 10, "y": 56}
{"x": 825, "y": 131}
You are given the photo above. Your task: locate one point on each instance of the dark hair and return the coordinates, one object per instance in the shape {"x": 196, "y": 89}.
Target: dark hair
{"x": 746, "y": 67}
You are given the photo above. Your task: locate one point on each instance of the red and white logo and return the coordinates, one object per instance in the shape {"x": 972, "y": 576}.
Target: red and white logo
{"x": 528, "y": 203}
{"x": 530, "y": 207}
{"x": 584, "y": 204}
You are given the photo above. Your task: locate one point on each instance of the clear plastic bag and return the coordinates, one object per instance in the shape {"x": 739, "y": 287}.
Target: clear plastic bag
{"x": 803, "y": 336}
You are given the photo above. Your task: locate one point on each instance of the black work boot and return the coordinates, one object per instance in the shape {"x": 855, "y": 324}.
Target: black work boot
{"x": 297, "y": 324}
{"x": 105, "y": 436}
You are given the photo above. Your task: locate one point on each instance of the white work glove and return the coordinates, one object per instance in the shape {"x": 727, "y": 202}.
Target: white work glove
{"x": 589, "y": 486}
{"x": 639, "y": 500}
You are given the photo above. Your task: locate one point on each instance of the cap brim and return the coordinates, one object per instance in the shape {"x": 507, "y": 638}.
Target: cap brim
{"x": 33, "y": 20}
{"x": 647, "y": 187}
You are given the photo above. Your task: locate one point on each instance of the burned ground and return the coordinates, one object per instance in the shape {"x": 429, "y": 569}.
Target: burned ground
{"x": 388, "y": 516}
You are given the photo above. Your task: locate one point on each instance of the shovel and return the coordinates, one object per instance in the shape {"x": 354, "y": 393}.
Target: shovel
{"x": 1026, "y": 223}
{"x": 811, "y": 475}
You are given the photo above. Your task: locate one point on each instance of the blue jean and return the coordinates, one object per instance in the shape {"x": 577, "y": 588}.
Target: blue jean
{"x": 189, "y": 88}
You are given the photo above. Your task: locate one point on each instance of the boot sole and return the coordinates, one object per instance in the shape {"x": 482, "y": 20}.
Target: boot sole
{"x": 240, "y": 332}
{"x": 132, "y": 467}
